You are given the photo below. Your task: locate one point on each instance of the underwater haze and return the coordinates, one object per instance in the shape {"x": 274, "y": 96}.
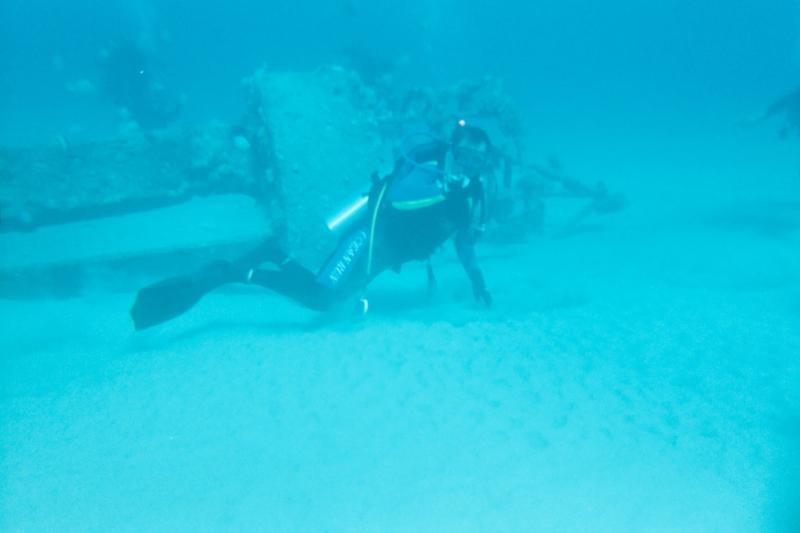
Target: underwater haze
{"x": 638, "y": 369}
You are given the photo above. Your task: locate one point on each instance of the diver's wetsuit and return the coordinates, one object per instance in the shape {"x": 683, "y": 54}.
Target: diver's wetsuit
{"x": 409, "y": 216}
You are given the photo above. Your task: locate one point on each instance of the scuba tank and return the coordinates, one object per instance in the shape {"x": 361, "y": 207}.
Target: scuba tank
{"x": 360, "y": 204}
{"x": 345, "y": 217}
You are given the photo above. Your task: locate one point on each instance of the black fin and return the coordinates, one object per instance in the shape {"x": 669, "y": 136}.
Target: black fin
{"x": 166, "y": 299}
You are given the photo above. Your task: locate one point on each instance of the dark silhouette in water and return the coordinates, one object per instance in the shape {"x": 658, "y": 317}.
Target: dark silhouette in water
{"x": 129, "y": 80}
{"x": 789, "y": 107}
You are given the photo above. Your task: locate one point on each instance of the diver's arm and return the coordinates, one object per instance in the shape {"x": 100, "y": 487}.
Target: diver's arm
{"x": 465, "y": 248}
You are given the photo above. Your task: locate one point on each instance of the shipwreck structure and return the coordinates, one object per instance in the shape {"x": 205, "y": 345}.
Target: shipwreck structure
{"x": 151, "y": 203}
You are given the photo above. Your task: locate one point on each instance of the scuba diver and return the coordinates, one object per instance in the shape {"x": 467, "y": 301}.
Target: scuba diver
{"x": 435, "y": 192}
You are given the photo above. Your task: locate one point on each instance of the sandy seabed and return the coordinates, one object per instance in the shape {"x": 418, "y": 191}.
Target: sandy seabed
{"x": 643, "y": 377}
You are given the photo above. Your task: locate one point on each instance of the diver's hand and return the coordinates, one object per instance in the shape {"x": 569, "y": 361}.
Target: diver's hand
{"x": 479, "y": 288}
{"x": 432, "y": 284}
{"x": 482, "y": 295}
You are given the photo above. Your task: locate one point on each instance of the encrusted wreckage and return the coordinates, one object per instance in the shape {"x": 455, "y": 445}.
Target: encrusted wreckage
{"x": 307, "y": 143}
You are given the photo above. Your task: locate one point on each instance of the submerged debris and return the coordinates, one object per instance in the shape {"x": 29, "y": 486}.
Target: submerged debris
{"x": 306, "y": 144}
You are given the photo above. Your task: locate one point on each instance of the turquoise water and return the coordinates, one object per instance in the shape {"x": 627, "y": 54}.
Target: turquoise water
{"x": 639, "y": 375}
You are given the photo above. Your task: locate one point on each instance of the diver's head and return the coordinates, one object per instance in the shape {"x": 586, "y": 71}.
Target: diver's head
{"x": 470, "y": 147}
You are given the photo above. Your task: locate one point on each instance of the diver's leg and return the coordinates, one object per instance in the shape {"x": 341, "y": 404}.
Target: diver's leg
{"x": 268, "y": 251}
{"x": 295, "y": 282}
{"x": 340, "y": 275}
{"x": 169, "y": 298}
